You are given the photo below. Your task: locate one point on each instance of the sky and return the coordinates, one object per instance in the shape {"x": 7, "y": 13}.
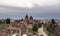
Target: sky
{"x": 36, "y": 8}
{"x": 29, "y": 3}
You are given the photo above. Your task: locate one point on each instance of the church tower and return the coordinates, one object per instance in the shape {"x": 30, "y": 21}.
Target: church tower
{"x": 26, "y": 18}
{"x": 31, "y": 20}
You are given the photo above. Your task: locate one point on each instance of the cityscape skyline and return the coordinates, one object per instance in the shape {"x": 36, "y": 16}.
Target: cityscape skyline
{"x": 29, "y": 17}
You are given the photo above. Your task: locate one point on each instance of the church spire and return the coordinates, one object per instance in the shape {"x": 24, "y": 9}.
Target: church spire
{"x": 26, "y": 16}
{"x": 31, "y": 18}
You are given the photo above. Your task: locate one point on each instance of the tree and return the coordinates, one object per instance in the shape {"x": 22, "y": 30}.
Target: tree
{"x": 39, "y": 24}
{"x": 35, "y": 27}
{"x": 8, "y": 21}
{"x": 22, "y": 19}
{"x": 53, "y": 21}
{"x": 0, "y": 22}
{"x": 52, "y": 26}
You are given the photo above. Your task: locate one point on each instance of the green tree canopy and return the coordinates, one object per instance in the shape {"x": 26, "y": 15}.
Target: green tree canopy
{"x": 36, "y": 26}
{"x": 8, "y": 21}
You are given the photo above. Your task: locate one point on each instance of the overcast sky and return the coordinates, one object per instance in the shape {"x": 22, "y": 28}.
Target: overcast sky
{"x": 36, "y": 8}
{"x": 29, "y": 3}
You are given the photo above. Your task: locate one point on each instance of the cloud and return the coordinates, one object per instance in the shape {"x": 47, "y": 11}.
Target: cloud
{"x": 46, "y": 2}
{"x": 37, "y": 11}
{"x": 36, "y": 8}
{"x": 29, "y": 3}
